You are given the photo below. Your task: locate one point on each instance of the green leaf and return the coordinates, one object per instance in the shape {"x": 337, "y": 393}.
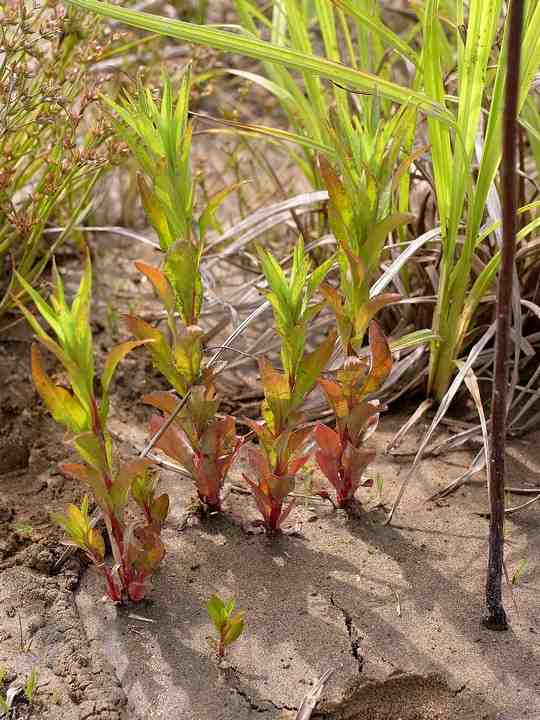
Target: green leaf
{"x": 372, "y": 250}
{"x": 160, "y": 351}
{"x": 311, "y": 367}
{"x": 45, "y": 310}
{"x": 235, "y": 627}
{"x": 188, "y": 353}
{"x": 277, "y": 394}
{"x": 92, "y": 452}
{"x": 182, "y": 271}
{"x": 216, "y": 612}
{"x": 154, "y": 212}
{"x": 372, "y": 23}
{"x": 319, "y": 274}
{"x": 247, "y": 46}
{"x": 63, "y": 406}
{"x": 113, "y": 358}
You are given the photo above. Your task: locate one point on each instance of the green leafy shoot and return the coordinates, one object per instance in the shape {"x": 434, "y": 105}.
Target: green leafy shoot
{"x": 159, "y": 138}
{"x": 292, "y": 302}
{"x": 70, "y": 340}
{"x": 30, "y": 686}
{"x": 282, "y": 436}
{"x": 360, "y": 239}
{"x": 228, "y": 625}
{"x": 137, "y": 548}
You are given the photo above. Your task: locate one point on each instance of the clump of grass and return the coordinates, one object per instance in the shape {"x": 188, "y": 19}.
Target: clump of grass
{"x": 54, "y": 142}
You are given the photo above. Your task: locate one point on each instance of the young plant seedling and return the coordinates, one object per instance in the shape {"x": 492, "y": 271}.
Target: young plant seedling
{"x": 282, "y": 435}
{"x": 341, "y": 454}
{"x": 202, "y": 443}
{"x": 360, "y": 236}
{"x": 229, "y": 627}
{"x": 30, "y": 685}
{"x": 137, "y": 547}
{"x": 160, "y": 140}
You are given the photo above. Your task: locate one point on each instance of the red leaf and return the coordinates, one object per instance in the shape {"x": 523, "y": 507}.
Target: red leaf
{"x": 285, "y": 514}
{"x": 329, "y": 467}
{"x": 173, "y": 442}
{"x": 328, "y": 440}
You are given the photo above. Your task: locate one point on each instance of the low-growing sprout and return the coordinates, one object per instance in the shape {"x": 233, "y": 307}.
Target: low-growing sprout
{"x": 30, "y": 685}
{"x": 203, "y": 444}
{"x": 283, "y": 435}
{"x": 160, "y": 141}
{"x": 341, "y": 454}
{"x": 83, "y": 411}
{"x": 228, "y": 626}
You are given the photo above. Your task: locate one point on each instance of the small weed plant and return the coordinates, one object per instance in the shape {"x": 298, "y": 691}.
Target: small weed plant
{"x": 228, "y": 624}
{"x": 282, "y": 435}
{"x": 136, "y": 546}
{"x": 204, "y": 444}
{"x": 341, "y": 454}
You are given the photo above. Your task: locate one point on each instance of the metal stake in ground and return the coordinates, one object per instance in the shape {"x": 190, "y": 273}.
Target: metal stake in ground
{"x": 495, "y": 616}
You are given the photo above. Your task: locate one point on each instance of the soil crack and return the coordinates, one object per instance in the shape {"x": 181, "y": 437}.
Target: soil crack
{"x": 260, "y": 708}
{"x": 354, "y": 635}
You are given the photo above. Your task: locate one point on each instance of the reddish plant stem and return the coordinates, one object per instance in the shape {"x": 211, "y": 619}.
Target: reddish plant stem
{"x": 495, "y": 617}
{"x": 116, "y": 526}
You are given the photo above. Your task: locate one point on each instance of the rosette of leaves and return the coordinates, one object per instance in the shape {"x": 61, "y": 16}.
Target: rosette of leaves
{"x": 282, "y": 435}
{"x": 341, "y": 455}
{"x": 202, "y": 443}
{"x": 136, "y": 547}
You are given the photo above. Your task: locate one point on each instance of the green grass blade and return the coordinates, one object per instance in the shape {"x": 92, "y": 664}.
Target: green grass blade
{"x": 234, "y": 43}
{"x": 373, "y": 24}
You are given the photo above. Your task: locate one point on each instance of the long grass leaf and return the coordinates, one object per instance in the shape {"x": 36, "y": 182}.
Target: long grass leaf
{"x": 230, "y": 42}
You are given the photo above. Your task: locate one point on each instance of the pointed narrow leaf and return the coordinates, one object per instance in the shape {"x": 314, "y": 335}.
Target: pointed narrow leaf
{"x": 115, "y": 356}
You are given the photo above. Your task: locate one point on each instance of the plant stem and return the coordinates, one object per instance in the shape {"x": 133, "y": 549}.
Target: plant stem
{"x": 495, "y": 616}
